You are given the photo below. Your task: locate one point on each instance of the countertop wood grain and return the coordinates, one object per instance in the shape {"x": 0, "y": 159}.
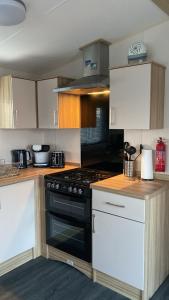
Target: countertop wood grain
{"x": 32, "y": 173}
{"x": 136, "y": 188}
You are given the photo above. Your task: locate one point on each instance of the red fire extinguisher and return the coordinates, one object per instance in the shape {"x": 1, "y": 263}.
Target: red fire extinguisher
{"x": 160, "y": 156}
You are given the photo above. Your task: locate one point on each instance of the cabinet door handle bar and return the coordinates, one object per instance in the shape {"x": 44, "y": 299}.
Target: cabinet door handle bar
{"x": 112, "y": 115}
{"x": 117, "y": 205}
{"x": 93, "y": 227}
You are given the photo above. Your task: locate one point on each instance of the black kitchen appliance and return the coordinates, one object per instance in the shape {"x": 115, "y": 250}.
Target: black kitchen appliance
{"x": 68, "y": 193}
{"x": 68, "y": 210}
{"x": 57, "y": 159}
{"x": 21, "y": 157}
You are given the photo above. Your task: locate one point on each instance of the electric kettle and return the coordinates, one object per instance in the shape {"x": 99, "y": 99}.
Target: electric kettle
{"x": 21, "y": 157}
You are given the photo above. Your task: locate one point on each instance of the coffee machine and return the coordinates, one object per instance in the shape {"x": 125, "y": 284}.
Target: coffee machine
{"x": 41, "y": 155}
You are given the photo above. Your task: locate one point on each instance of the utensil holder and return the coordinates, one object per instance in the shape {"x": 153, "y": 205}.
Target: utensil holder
{"x": 129, "y": 168}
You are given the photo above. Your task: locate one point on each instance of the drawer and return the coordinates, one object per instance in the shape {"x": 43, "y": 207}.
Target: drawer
{"x": 127, "y": 207}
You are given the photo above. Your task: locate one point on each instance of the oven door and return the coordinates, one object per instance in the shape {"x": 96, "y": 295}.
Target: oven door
{"x": 70, "y": 206}
{"x": 70, "y": 236}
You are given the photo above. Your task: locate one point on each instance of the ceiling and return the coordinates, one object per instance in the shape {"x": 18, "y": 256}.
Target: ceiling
{"x": 55, "y": 29}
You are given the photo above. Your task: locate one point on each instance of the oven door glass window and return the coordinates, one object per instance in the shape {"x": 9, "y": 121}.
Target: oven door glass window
{"x": 69, "y": 236}
{"x": 66, "y": 205}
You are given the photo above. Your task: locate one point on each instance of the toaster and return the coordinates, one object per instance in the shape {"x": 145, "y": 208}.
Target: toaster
{"x": 57, "y": 159}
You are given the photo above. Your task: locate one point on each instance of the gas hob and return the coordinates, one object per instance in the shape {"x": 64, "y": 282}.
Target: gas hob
{"x": 76, "y": 181}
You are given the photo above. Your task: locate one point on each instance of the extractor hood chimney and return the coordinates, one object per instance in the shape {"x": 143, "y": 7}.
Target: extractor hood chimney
{"x": 95, "y": 70}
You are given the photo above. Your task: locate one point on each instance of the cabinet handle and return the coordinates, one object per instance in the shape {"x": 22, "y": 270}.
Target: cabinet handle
{"x": 16, "y": 115}
{"x": 0, "y": 206}
{"x": 117, "y": 205}
{"x": 112, "y": 116}
{"x": 93, "y": 227}
{"x": 54, "y": 118}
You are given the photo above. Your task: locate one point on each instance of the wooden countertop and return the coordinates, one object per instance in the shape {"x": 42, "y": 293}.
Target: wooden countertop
{"x": 32, "y": 173}
{"x": 136, "y": 188}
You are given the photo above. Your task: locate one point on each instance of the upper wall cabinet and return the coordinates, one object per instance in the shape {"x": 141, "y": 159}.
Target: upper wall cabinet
{"x": 47, "y": 104}
{"x": 63, "y": 110}
{"x": 17, "y": 103}
{"x": 137, "y": 97}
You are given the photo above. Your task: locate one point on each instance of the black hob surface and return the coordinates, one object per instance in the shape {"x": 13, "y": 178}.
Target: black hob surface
{"x": 81, "y": 176}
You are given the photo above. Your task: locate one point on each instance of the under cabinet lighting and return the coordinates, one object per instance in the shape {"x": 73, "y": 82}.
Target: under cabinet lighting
{"x": 99, "y": 93}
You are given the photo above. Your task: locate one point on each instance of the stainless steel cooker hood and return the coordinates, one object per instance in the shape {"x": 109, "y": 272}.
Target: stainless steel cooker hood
{"x": 95, "y": 70}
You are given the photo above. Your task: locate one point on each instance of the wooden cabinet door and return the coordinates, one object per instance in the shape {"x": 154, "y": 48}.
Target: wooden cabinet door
{"x": 17, "y": 219}
{"x": 47, "y": 104}
{"x": 118, "y": 248}
{"x": 24, "y": 103}
{"x": 130, "y": 97}
{"x": 69, "y": 111}
{"x": 6, "y": 102}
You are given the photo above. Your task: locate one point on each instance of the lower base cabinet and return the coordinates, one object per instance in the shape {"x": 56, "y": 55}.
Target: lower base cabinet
{"x": 130, "y": 240}
{"x": 118, "y": 248}
{"x": 17, "y": 219}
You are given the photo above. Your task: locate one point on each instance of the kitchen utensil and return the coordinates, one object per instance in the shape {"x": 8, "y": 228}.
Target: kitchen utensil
{"x": 126, "y": 144}
{"x": 129, "y": 169}
{"x": 141, "y": 148}
{"x": 130, "y": 150}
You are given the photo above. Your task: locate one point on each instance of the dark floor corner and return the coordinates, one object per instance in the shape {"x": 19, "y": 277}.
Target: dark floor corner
{"x": 163, "y": 292}
{"x": 43, "y": 279}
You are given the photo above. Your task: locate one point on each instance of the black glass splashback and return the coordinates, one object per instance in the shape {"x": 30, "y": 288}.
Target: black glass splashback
{"x": 102, "y": 148}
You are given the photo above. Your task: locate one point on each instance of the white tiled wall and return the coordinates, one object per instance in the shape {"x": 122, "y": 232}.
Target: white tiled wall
{"x": 17, "y": 139}
{"x": 148, "y": 138}
{"x": 67, "y": 140}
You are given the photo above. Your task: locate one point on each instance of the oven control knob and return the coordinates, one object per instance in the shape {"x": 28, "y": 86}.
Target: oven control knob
{"x": 70, "y": 189}
{"x": 75, "y": 190}
{"x": 52, "y": 185}
{"x": 48, "y": 185}
{"x": 57, "y": 186}
{"x": 80, "y": 191}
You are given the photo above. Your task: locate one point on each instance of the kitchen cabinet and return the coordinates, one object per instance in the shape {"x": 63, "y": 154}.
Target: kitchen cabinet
{"x": 76, "y": 111}
{"x": 137, "y": 96}
{"x": 17, "y": 103}
{"x": 17, "y": 219}
{"x": 129, "y": 240}
{"x": 47, "y": 103}
{"x": 118, "y": 238}
{"x": 63, "y": 110}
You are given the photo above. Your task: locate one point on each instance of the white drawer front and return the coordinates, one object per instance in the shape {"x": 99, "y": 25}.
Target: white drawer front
{"x": 127, "y": 207}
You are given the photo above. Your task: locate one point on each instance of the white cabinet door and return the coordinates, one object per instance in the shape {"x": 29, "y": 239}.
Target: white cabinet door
{"x": 24, "y": 103}
{"x": 118, "y": 248}
{"x": 130, "y": 97}
{"x": 17, "y": 219}
{"x": 47, "y": 104}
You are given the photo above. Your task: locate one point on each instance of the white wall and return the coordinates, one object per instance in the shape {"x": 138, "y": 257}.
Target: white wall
{"x": 67, "y": 140}
{"x": 17, "y": 139}
{"x": 157, "y": 42}
{"x": 74, "y": 69}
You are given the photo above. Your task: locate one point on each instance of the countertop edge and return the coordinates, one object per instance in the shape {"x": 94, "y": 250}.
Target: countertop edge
{"x": 33, "y": 174}
{"x": 148, "y": 195}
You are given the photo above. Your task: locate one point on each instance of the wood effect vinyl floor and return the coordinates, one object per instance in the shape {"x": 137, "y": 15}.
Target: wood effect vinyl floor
{"x": 43, "y": 279}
